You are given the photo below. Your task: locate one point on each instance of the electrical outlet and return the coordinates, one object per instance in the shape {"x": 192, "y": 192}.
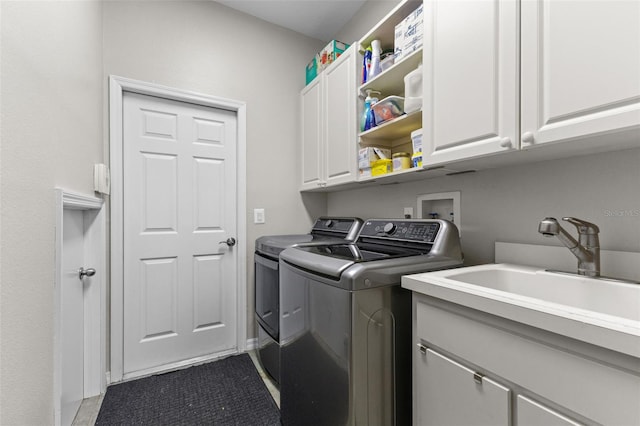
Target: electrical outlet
{"x": 408, "y": 212}
{"x": 258, "y": 216}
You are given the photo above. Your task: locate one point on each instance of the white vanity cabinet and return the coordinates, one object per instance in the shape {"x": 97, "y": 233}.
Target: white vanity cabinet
{"x": 532, "y": 413}
{"x": 445, "y": 386}
{"x": 474, "y": 368}
{"x": 329, "y": 125}
{"x": 505, "y": 74}
{"x": 453, "y": 394}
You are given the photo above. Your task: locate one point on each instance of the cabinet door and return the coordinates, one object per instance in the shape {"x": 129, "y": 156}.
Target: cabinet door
{"x": 340, "y": 124}
{"x": 471, "y": 82}
{"x": 448, "y": 394}
{"x": 531, "y": 413}
{"x": 580, "y": 69}
{"x": 311, "y": 127}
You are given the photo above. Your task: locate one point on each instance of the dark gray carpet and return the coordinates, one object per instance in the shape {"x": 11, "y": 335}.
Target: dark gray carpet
{"x": 225, "y": 392}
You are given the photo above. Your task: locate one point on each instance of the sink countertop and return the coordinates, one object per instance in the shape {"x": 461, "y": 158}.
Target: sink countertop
{"x": 618, "y": 333}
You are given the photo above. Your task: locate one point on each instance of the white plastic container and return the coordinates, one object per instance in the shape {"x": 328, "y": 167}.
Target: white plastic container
{"x": 388, "y": 108}
{"x": 416, "y": 141}
{"x": 413, "y": 90}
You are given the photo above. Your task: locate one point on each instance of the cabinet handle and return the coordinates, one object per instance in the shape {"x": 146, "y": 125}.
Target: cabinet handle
{"x": 478, "y": 377}
{"x": 506, "y": 143}
{"x": 422, "y": 348}
{"x": 527, "y": 137}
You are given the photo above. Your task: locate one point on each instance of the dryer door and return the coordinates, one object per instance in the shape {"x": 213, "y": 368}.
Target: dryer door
{"x": 267, "y": 294}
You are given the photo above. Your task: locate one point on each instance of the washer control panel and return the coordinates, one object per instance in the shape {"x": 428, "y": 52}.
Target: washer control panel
{"x": 403, "y": 230}
{"x": 340, "y": 225}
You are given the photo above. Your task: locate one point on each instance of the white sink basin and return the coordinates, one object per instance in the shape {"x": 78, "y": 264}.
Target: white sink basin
{"x": 599, "y": 311}
{"x": 598, "y": 295}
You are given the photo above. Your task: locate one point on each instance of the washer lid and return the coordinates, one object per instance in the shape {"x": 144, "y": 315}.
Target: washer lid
{"x": 274, "y": 244}
{"x": 326, "y": 230}
{"x": 315, "y": 263}
{"x": 362, "y": 252}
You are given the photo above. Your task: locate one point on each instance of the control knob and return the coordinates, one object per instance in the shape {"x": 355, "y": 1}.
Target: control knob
{"x": 329, "y": 223}
{"x": 389, "y": 228}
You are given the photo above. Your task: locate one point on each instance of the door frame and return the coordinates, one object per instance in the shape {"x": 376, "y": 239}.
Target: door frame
{"x": 95, "y": 296}
{"x": 117, "y": 87}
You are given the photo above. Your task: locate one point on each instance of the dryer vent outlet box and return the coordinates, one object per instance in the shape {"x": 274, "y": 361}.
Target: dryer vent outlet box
{"x": 443, "y": 205}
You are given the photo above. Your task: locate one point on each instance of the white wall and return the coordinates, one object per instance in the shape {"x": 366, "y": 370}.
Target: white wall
{"x": 369, "y": 15}
{"x": 507, "y": 204}
{"x": 51, "y": 132}
{"x": 205, "y": 47}
{"x": 55, "y": 59}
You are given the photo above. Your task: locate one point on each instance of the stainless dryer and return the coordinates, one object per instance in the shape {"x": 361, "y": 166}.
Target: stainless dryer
{"x": 326, "y": 230}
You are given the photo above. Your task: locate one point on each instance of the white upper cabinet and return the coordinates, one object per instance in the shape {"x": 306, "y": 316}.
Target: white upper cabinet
{"x": 340, "y": 125}
{"x": 471, "y": 79}
{"x": 580, "y": 69}
{"x": 499, "y": 77}
{"x": 329, "y": 125}
{"x": 312, "y": 147}
{"x": 502, "y": 75}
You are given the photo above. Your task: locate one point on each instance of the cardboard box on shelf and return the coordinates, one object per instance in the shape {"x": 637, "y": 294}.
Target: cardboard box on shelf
{"x": 330, "y": 53}
{"x": 322, "y": 59}
{"x": 368, "y": 155}
{"x": 416, "y": 160}
{"x": 382, "y": 167}
{"x": 409, "y": 34}
{"x": 311, "y": 70}
{"x": 365, "y": 172}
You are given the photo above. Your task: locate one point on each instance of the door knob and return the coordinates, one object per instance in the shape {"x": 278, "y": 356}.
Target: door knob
{"x": 229, "y": 241}
{"x": 86, "y": 272}
{"x": 527, "y": 137}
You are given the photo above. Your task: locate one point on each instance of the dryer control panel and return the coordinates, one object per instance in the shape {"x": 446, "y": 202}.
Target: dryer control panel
{"x": 424, "y": 231}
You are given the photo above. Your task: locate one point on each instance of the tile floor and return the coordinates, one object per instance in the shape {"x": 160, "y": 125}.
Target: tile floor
{"x": 88, "y": 412}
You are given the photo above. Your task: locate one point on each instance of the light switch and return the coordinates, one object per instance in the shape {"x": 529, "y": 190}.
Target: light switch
{"x": 101, "y": 179}
{"x": 258, "y": 216}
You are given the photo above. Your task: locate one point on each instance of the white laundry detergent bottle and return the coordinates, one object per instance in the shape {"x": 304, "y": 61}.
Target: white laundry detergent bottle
{"x": 376, "y": 51}
{"x": 413, "y": 90}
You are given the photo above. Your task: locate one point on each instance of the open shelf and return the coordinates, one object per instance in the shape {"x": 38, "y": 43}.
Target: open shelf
{"x": 385, "y": 30}
{"x": 391, "y": 81}
{"x": 394, "y": 129}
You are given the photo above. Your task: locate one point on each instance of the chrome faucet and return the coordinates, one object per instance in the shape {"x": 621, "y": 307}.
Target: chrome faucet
{"x": 586, "y": 249}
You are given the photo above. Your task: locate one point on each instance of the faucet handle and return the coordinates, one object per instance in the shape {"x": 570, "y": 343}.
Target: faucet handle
{"x": 583, "y": 226}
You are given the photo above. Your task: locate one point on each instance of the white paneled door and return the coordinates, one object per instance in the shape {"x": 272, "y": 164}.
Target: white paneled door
{"x": 179, "y": 175}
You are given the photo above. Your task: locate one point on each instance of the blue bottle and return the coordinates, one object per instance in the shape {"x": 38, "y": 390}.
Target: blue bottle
{"x": 366, "y": 64}
{"x": 368, "y": 119}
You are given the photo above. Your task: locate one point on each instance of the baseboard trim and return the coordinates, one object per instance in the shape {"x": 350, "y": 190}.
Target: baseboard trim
{"x": 178, "y": 365}
{"x": 252, "y": 344}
